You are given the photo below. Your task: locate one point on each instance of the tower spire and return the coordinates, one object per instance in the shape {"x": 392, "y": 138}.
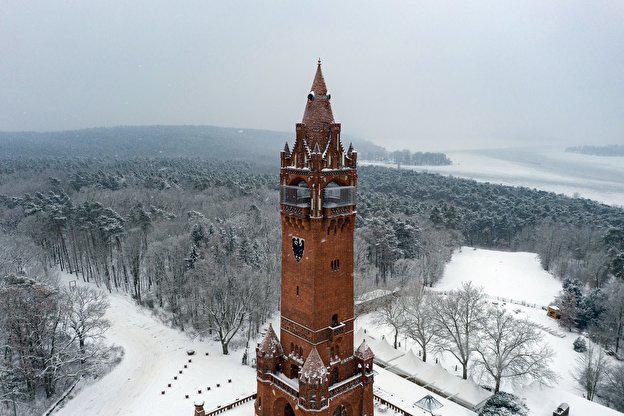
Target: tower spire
{"x": 318, "y": 85}
{"x": 318, "y": 114}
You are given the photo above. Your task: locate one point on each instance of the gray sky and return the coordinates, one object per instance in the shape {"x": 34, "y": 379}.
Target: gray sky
{"x": 420, "y": 75}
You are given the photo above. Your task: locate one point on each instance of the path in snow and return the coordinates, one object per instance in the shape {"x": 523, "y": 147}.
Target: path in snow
{"x": 154, "y": 354}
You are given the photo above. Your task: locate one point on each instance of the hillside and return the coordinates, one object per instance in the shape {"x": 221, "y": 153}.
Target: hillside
{"x": 211, "y": 142}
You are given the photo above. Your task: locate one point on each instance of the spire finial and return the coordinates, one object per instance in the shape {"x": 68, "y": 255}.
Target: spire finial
{"x": 318, "y": 62}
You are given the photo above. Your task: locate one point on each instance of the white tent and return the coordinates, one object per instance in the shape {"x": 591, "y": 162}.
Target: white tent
{"x": 408, "y": 364}
{"x": 471, "y": 394}
{"x": 433, "y": 376}
{"x": 384, "y": 353}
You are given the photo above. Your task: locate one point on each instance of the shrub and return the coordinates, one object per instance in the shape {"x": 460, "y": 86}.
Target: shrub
{"x": 580, "y": 345}
{"x": 504, "y": 404}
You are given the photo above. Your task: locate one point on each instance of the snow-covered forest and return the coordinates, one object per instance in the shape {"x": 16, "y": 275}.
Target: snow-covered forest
{"x": 196, "y": 241}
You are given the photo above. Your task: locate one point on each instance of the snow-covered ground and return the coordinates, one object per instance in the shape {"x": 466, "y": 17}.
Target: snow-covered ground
{"x": 154, "y": 355}
{"x": 517, "y": 276}
{"x": 514, "y": 275}
{"x": 549, "y": 169}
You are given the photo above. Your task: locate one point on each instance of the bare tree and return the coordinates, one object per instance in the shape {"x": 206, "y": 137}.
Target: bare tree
{"x": 513, "y": 349}
{"x": 615, "y": 311}
{"x": 228, "y": 303}
{"x": 591, "y": 370}
{"x": 85, "y": 308}
{"x": 419, "y": 326}
{"x": 614, "y": 389}
{"x": 458, "y": 318}
{"x": 392, "y": 313}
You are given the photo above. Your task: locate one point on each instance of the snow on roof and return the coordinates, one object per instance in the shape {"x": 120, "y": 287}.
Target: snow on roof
{"x": 403, "y": 393}
{"x": 364, "y": 352}
{"x": 313, "y": 370}
{"x": 384, "y": 351}
{"x": 433, "y": 375}
{"x": 409, "y": 362}
{"x": 270, "y": 345}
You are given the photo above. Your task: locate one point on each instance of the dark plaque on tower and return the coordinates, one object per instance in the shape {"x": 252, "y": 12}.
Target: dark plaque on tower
{"x": 297, "y": 246}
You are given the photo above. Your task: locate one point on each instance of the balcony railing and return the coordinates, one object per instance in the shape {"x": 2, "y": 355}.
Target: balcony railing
{"x": 296, "y": 196}
{"x": 338, "y": 196}
{"x": 336, "y": 330}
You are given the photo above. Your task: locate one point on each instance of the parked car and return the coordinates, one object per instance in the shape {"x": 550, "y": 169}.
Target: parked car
{"x": 562, "y": 410}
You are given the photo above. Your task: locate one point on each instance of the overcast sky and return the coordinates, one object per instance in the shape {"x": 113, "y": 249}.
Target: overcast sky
{"x": 419, "y": 75}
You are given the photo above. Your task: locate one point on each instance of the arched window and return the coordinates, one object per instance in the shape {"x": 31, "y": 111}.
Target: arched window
{"x": 335, "y": 320}
{"x": 335, "y": 375}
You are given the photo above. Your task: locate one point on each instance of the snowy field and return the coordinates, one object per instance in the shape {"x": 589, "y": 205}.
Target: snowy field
{"x": 514, "y": 275}
{"x": 518, "y": 276}
{"x": 154, "y": 355}
{"x": 594, "y": 177}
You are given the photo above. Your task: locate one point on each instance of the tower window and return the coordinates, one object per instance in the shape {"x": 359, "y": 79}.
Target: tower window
{"x": 335, "y": 319}
{"x": 297, "y": 290}
{"x": 335, "y": 264}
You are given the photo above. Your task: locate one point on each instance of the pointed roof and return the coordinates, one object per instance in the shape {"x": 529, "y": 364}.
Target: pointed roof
{"x": 429, "y": 403}
{"x": 350, "y": 148}
{"x": 286, "y": 149}
{"x": 313, "y": 370}
{"x": 318, "y": 113}
{"x": 317, "y": 149}
{"x": 270, "y": 346}
{"x": 364, "y": 352}
{"x": 318, "y": 85}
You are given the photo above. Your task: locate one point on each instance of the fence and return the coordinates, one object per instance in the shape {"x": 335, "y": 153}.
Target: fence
{"x": 500, "y": 298}
{"x": 394, "y": 407}
{"x": 521, "y": 303}
{"x": 230, "y": 406}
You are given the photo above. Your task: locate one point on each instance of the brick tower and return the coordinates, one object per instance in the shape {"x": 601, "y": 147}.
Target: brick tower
{"x": 312, "y": 368}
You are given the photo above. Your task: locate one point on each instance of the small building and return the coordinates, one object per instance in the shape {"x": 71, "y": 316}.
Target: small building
{"x": 554, "y": 312}
{"x": 562, "y": 410}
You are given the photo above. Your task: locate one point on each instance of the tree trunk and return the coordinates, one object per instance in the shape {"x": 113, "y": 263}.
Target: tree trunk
{"x": 396, "y": 337}
{"x": 465, "y": 371}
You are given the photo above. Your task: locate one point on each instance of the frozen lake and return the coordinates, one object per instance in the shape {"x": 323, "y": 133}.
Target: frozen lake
{"x": 595, "y": 177}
